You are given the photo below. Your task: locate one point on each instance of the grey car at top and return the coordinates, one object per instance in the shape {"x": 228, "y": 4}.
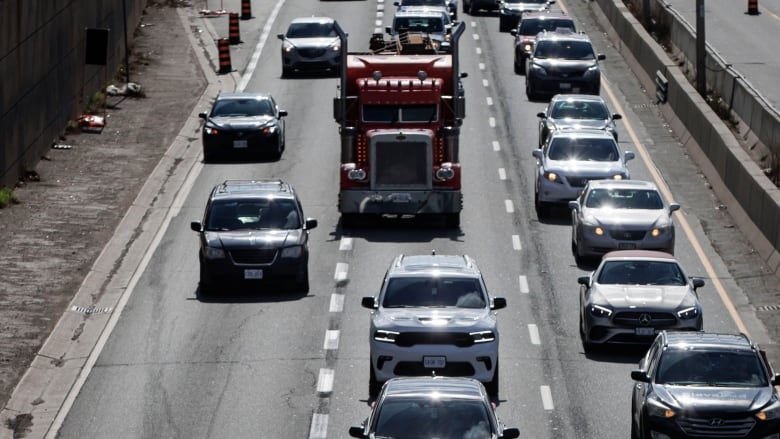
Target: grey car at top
{"x": 569, "y": 159}
{"x": 310, "y": 44}
{"x": 243, "y": 123}
{"x": 576, "y": 111}
{"x": 433, "y": 407}
{"x": 433, "y": 315}
{"x": 621, "y": 215}
{"x": 451, "y": 6}
{"x": 510, "y": 11}
{"x": 436, "y": 24}
{"x": 634, "y": 294}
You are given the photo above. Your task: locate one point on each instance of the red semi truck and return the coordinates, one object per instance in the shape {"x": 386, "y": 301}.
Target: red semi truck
{"x": 400, "y": 109}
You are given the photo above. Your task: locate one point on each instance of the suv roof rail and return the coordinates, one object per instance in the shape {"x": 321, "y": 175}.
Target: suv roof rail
{"x": 244, "y": 185}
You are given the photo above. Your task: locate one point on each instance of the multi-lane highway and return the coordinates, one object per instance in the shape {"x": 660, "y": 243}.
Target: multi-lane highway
{"x": 274, "y": 364}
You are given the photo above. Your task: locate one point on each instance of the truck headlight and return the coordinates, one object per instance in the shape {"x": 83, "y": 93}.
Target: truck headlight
{"x": 215, "y": 253}
{"x": 385, "y": 336}
{"x": 356, "y": 174}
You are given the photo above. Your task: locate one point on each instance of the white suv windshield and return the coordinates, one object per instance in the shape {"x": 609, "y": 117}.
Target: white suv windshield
{"x": 433, "y": 292}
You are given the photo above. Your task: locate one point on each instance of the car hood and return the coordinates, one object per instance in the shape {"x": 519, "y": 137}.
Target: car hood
{"x": 241, "y": 122}
{"x": 714, "y": 399}
{"x": 253, "y": 239}
{"x": 563, "y": 66}
{"x": 642, "y": 296}
{"x": 432, "y": 318}
{"x": 626, "y": 217}
{"x": 585, "y": 168}
{"x": 312, "y": 43}
{"x": 568, "y": 124}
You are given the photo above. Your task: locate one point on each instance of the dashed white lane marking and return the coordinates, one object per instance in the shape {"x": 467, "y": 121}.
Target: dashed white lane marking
{"x": 378, "y": 23}
{"x": 523, "y": 281}
{"x": 479, "y": 51}
{"x": 380, "y": 14}
{"x": 547, "y": 401}
{"x": 345, "y": 244}
{"x": 325, "y": 381}
{"x": 319, "y": 426}
{"x": 250, "y": 68}
{"x": 533, "y": 331}
{"x": 377, "y": 30}
{"x": 492, "y": 122}
{"x": 509, "y": 206}
{"x": 341, "y": 272}
{"x": 482, "y": 66}
{"x": 485, "y": 82}
{"x": 476, "y": 36}
{"x": 331, "y": 340}
{"x": 496, "y": 146}
{"x": 336, "y": 303}
{"x": 501, "y": 174}
{"x": 489, "y": 100}
{"x": 516, "y": 242}
{"x": 380, "y": 7}
{"x": 473, "y": 24}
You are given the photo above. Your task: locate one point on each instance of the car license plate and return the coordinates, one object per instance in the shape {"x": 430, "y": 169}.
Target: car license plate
{"x": 239, "y": 144}
{"x": 565, "y": 85}
{"x": 434, "y": 362}
{"x": 644, "y": 331}
{"x": 626, "y": 246}
{"x": 253, "y": 274}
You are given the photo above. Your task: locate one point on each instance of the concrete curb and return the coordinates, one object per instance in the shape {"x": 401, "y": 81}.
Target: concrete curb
{"x": 60, "y": 364}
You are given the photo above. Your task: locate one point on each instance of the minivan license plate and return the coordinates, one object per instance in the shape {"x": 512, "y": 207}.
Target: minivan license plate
{"x": 253, "y": 274}
{"x": 434, "y": 362}
{"x": 239, "y": 144}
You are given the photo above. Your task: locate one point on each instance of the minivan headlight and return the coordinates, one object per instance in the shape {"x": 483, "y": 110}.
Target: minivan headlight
{"x": 215, "y": 253}
{"x": 292, "y": 252}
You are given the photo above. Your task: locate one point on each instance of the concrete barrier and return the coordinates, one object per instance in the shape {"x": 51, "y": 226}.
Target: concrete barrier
{"x": 752, "y": 199}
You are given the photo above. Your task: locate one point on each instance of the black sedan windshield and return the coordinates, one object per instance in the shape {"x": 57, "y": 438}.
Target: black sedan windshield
{"x": 242, "y": 107}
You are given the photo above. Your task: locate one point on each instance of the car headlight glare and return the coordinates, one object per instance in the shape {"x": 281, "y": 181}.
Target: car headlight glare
{"x": 688, "y": 313}
{"x": 658, "y": 409}
{"x": 215, "y": 253}
{"x": 210, "y": 131}
{"x": 385, "y": 336}
{"x": 335, "y": 47}
{"x": 600, "y": 311}
{"x": 770, "y": 413}
{"x": 483, "y": 336}
{"x": 269, "y": 130}
{"x": 598, "y": 231}
{"x": 553, "y": 177}
{"x": 658, "y": 231}
{"x": 287, "y": 47}
{"x": 618, "y": 177}
{"x": 528, "y": 47}
{"x": 292, "y": 252}
{"x": 356, "y": 174}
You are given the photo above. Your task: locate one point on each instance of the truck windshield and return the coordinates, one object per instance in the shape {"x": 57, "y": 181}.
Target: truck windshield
{"x": 400, "y": 113}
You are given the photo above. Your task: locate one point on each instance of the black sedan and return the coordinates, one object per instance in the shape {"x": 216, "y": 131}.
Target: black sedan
{"x": 243, "y": 123}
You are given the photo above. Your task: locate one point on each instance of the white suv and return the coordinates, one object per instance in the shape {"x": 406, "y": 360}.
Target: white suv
{"x": 433, "y": 315}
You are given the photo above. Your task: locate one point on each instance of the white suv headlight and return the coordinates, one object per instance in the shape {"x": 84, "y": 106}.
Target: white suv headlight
{"x": 483, "y": 336}
{"x": 385, "y": 336}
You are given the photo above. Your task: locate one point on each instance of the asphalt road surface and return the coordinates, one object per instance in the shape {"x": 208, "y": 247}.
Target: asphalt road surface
{"x": 274, "y": 364}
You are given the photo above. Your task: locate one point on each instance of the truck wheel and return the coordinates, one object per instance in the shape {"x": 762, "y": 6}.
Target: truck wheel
{"x": 452, "y": 220}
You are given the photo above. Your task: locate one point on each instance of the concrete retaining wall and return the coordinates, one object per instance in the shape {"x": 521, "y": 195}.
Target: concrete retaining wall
{"x": 45, "y": 81}
{"x": 752, "y": 199}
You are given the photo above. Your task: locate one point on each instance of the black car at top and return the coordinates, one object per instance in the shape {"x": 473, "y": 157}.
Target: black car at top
{"x": 510, "y": 11}
{"x": 240, "y": 124}
{"x": 450, "y": 5}
{"x": 531, "y": 23}
{"x": 562, "y": 62}
{"x": 253, "y": 230}
{"x": 704, "y": 385}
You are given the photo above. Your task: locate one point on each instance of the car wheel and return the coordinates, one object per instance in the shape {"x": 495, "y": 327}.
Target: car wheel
{"x": 472, "y": 9}
{"x": 502, "y": 25}
{"x": 204, "y": 286}
{"x": 492, "y": 386}
{"x": 466, "y": 7}
{"x": 277, "y": 153}
{"x": 586, "y": 347}
{"x": 452, "y": 220}
{"x": 520, "y": 68}
{"x": 286, "y": 72}
{"x": 374, "y": 386}
{"x": 302, "y": 281}
{"x": 207, "y": 156}
{"x": 350, "y": 220}
{"x": 530, "y": 94}
{"x": 542, "y": 208}
{"x": 634, "y": 428}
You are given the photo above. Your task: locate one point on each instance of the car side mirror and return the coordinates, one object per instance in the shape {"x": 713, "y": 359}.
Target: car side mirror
{"x": 640, "y": 375}
{"x": 602, "y": 57}
{"x": 203, "y": 115}
{"x": 368, "y": 302}
{"x": 498, "y": 303}
{"x": 673, "y": 207}
{"x": 584, "y": 280}
{"x": 311, "y": 223}
{"x": 513, "y": 32}
{"x": 388, "y": 30}
{"x": 280, "y": 36}
{"x": 282, "y": 113}
{"x": 356, "y": 431}
{"x": 541, "y": 115}
{"x": 776, "y": 380}
{"x": 538, "y": 154}
{"x": 196, "y": 226}
{"x": 464, "y": 74}
{"x": 396, "y": 3}
{"x": 697, "y": 282}
{"x": 574, "y": 205}
{"x": 511, "y": 433}
{"x": 628, "y": 155}
{"x": 617, "y": 116}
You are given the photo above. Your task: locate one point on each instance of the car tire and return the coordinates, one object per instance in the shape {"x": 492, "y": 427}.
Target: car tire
{"x": 466, "y": 7}
{"x": 542, "y": 208}
{"x": 532, "y": 96}
{"x": 302, "y": 280}
{"x": 472, "y": 9}
{"x": 208, "y": 157}
{"x": 277, "y": 153}
{"x": 350, "y": 220}
{"x": 588, "y": 348}
{"x": 286, "y": 72}
{"x": 452, "y": 220}
{"x": 634, "y": 429}
{"x": 502, "y": 25}
{"x": 204, "y": 284}
{"x": 579, "y": 258}
{"x": 492, "y": 386}
{"x": 374, "y": 386}
{"x": 520, "y": 68}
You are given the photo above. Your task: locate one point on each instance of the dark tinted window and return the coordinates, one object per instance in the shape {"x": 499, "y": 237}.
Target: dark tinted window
{"x": 599, "y": 150}
{"x": 434, "y": 292}
{"x": 641, "y": 273}
{"x": 573, "y": 50}
{"x": 624, "y": 199}
{"x": 710, "y": 368}
{"x": 259, "y": 213}
{"x": 423, "y": 3}
{"x": 311, "y": 30}
{"x": 406, "y": 418}
{"x": 242, "y": 107}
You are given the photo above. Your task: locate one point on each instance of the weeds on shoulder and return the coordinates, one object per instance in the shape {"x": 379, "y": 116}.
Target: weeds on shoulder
{"x": 7, "y": 197}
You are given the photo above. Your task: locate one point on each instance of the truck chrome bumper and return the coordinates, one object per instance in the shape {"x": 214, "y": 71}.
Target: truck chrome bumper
{"x": 400, "y": 202}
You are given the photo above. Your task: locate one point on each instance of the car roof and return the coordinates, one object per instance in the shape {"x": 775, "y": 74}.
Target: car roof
{"x": 582, "y": 133}
{"x": 706, "y": 340}
{"x": 243, "y": 95}
{"x": 231, "y": 189}
{"x": 624, "y": 184}
{"x": 313, "y": 20}
{"x": 577, "y": 97}
{"x": 422, "y": 265}
{"x": 638, "y": 254}
{"x": 448, "y": 387}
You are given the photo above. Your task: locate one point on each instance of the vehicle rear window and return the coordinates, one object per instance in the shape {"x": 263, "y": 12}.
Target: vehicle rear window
{"x": 433, "y": 292}
{"x": 686, "y": 367}
{"x": 624, "y": 199}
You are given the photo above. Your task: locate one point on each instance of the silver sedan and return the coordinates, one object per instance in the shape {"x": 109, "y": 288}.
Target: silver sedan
{"x": 633, "y": 295}
{"x": 620, "y": 215}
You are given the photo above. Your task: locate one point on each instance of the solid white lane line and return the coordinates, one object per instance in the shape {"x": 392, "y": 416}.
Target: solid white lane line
{"x": 516, "y": 242}
{"x": 489, "y": 100}
{"x": 250, "y": 68}
{"x": 325, "y": 381}
{"x": 331, "y": 340}
{"x": 485, "y": 83}
{"x": 501, "y": 174}
{"x": 533, "y": 331}
{"x": 523, "y": 284}
{"x": 345, "y": 244}
{"x": 319, "y": 426}
{"x": 341, "y": 272}
{"x": 336, "y": 303}
{"x": 547, "y": 401}
{"x": 496, "y": 146}
{"x": 492, "y": 122}
{"x": 510, "y": 208}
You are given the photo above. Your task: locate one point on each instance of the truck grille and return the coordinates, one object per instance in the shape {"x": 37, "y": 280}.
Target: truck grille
{"x": 401, "y": 165}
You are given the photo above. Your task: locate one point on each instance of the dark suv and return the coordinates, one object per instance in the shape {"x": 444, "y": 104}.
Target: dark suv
{"x": 253, "y": 230}
{"x": 510, "y": 11}
{"x": 530, "y": 25}
{"x": 562, "y": 62}
{"x": 697, "y": 384}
